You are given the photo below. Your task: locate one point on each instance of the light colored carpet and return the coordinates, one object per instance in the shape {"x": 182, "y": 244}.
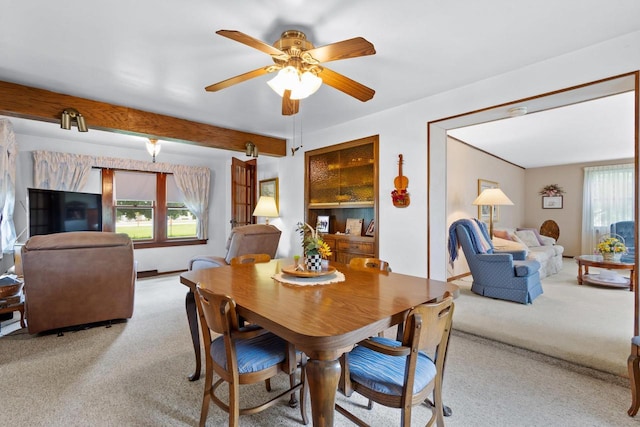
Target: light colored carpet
{"x": 588, "y": 325}
{"x": 134, "y": 374}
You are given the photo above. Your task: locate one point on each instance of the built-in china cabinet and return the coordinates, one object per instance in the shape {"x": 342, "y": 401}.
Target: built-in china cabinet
{"x": 341, "y": 185}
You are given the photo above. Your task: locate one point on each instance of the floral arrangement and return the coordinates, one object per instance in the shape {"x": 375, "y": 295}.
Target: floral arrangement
{"x": 611, "y": 245}
{"x": 399, "y": 196}
{"x": 551, "y": 190}
{"x": 312, "y": 241}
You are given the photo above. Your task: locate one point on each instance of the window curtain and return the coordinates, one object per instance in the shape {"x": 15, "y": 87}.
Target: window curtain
{"x": 193, "y": 181}
{"x": 608, "y": 197}
{"x": 60, "y": 171}
{"x": 194, "y": 185}
{"x": 8, "y": 154}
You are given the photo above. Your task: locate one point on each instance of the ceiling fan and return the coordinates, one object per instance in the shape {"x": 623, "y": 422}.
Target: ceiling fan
{"x": 299, "y": 68}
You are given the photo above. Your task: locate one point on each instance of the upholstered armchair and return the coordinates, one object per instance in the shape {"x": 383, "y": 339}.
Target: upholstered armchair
{"x": 497, "y": 274}
{"x": 77, "y": 278}
{"x": 246, "y": 239}
{"x": 626, "y": 229}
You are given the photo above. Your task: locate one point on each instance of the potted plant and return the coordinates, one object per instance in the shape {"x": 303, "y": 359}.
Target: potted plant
{"x": 611, "y": 248}
{"x": 315, "y": 249}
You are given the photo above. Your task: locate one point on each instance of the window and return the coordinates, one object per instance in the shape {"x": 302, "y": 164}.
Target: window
{"x": 135, "y": 196}
{"x": 181, "y": 223}
{"x": 149, "y": 207}
{"x": 608, "y": 197}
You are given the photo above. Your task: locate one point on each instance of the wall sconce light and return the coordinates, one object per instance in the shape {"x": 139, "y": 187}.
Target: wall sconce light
{"x": 251, "y": 149}
{"x": 69, "y": 115}
{"x": 153, "y": 148}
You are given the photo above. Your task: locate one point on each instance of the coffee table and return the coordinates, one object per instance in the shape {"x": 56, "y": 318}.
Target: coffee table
{"x": 586, "y": 261}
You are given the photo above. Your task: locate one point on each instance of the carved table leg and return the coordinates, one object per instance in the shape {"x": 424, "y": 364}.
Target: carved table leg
{"x": 192, "y": 317}
{"x": 323, "y": 377}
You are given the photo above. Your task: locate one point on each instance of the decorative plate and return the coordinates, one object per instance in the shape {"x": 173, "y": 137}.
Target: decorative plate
{"x": 291, "y": 270}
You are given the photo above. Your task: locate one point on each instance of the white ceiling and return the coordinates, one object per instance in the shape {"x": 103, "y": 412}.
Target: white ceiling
{"x": 159, "y": 56}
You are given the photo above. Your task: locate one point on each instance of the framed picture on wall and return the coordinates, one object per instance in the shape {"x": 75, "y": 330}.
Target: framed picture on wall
{"x": 483, "y": 210}
{"x": 551, "y": 202}
{"x": 269, "y": 187}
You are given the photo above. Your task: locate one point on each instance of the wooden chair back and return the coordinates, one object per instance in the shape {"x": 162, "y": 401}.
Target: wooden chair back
{"x": 428, "y": 327}
{"x": 369, "y": 263}
{"x": 218, "y": 314}
{"x": 250, "y": 259}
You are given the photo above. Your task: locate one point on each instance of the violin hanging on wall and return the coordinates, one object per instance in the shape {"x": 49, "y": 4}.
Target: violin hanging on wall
{"x": 400, "y": 196}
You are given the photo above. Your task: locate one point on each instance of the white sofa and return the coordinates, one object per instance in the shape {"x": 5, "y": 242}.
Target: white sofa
{"x": 543, "y": 249}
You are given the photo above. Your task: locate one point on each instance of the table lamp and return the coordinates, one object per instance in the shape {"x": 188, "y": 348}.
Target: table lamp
{"x": 492, "y": 197}
{"x": 266, "y": 207}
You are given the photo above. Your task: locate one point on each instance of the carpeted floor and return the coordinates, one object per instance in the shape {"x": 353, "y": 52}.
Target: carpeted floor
{"x": 588, "y": 325}
{"x": 134, "y": 374}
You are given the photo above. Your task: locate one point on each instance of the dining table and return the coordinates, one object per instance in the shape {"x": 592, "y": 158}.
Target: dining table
{"x": 322, "y": 320}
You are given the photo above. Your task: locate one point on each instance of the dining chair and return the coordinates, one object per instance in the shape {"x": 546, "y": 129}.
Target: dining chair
{"x": 402, "y": 374}
{"x": 243, "y": 356}
{"x": 369, "y": 263}
{"x": 250, "y": 259}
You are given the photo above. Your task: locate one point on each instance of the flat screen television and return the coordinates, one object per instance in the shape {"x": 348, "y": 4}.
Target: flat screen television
{"x": 52, "y": 211}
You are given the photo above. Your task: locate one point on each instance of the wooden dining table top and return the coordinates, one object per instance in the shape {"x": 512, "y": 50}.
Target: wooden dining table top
{"x": 324, "y": 321}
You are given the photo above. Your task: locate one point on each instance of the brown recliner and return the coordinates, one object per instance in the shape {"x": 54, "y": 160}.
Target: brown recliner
{"x": 77, "y": 278}
{"x": 246, "y": 239}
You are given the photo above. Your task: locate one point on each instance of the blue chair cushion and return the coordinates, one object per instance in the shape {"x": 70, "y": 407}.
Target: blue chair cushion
{"x": 253, "y": 354}
{"x": 635, "y": 340}
{"x": 384, "y": 373}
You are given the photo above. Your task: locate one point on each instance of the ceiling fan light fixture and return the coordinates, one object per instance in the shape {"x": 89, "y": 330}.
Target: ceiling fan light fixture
{"x": 309, "y": 84}
{"x": 300, "y": 85}
{"x": 287, "y": 78}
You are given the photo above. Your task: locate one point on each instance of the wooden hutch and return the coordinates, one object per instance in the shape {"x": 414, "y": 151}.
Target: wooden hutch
{"x": 341, "y": 183}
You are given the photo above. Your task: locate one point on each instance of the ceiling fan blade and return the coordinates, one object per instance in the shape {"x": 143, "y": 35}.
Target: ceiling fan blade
{"x": 253, "y": 42}
{"x": 346, "y": 85}
{"x": 351, "y": 48}
{"x": 239, "y": 79}
{"x": 289, "y": 106}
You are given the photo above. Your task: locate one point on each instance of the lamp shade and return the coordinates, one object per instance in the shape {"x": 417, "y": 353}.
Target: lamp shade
{"x": 266, "y": 207}
{"x": 492, "y": 197}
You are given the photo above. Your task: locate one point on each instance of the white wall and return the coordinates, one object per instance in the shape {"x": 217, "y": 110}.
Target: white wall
{"x": 569, "y": 218}
{"x": 465, "y": 165}
{"x": 161, "y": 259}
{"x": 403, "y": 233}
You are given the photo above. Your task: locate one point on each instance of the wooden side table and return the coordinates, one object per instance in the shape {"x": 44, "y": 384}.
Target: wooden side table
{"x": 14, "y": 303}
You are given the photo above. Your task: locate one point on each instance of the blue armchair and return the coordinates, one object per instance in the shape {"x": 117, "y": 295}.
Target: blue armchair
{"x": 496, "y": 274}
{"x": 626, "y": 229}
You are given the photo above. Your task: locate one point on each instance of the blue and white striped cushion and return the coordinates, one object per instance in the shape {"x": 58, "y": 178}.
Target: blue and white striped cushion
{"x": 384, "y": 373}
{"x": 253, "y": 354}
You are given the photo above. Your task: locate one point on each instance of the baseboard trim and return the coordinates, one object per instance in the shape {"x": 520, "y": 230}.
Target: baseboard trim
{"x": 155, "y": 273}
{"x": 459, "y": 276}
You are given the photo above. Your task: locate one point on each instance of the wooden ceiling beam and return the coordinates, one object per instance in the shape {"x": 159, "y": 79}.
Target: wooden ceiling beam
{"x": 43, "y": 105}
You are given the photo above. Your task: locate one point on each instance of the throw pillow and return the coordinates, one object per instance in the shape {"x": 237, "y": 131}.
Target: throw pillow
{"x": 528, "y": 237}
{"x": 502, "y": 234}
{"x": 537, "y": 234}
